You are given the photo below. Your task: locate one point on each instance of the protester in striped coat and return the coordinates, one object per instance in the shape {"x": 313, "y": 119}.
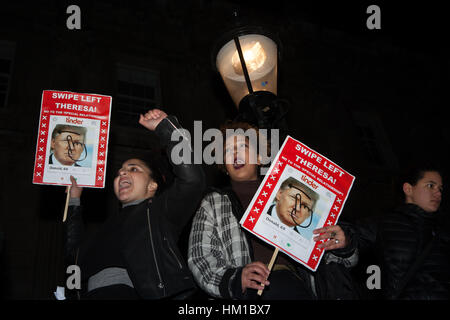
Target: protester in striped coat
{"x": 229, "y": 263}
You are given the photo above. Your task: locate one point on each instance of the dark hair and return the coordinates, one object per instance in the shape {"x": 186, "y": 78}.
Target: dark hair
{"x": 156, "y": 174}
{"x": 413, "y": 173}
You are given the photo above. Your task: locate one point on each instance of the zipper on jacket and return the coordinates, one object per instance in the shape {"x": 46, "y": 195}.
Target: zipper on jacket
{"x": 76, "y": 263}
{"x": 173, "y": 253}
{"x": 161, "y": 284}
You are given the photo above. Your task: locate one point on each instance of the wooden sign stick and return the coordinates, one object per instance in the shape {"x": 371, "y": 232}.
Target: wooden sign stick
{"x": 67, "y": 203}
{"x": 274, "y": 256}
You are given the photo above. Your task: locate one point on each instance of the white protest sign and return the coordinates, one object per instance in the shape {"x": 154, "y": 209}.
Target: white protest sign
{"x": 72, "y": 139}
{"x": 301, "y": 191}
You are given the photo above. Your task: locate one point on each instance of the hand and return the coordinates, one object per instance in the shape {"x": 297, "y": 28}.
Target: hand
{"x": 253, "y": 275}
{"x": 75, "y": 190}
{"x": 334, "y": 236}
{"x": 152, "y": 118}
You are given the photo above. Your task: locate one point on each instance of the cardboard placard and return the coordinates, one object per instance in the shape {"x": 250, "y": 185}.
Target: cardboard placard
{"x": 299, "y": 178}
{"x": 72, "y": 139}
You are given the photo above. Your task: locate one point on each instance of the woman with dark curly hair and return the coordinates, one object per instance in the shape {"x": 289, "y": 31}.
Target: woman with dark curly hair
{"x": 228, "y": 262}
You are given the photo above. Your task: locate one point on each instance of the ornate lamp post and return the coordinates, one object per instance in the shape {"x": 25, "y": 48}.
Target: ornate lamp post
{"x": 247, "y": 60}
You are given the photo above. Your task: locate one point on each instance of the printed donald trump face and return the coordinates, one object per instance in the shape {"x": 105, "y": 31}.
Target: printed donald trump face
{"x": 67, "y": 143}
{"x": 295, "y": 202}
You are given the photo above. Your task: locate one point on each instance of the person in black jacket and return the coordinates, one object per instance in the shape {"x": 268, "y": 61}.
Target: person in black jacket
{"x": 134, "y": 255}
{"x": 412, "y": 243}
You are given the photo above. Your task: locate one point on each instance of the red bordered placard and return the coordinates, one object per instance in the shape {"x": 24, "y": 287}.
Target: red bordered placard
{"x": 321, "y": 184}
{"x": 72, "y": 139}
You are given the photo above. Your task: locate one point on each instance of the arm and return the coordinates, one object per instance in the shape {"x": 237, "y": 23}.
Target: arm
{"x": 215, "y": 272}
{"x": 339, "y": 243}
{"x": 206, "y": 253}
{"x": 364, "y": 233}
{"x": 182, "y": 198}
{"x": 73, "y": 227}
{"x": 397, "y": 249}
{"x": 354, "y": 239}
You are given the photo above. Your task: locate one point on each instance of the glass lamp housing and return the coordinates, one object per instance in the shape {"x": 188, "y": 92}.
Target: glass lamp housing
{"x": 260, "y": 55}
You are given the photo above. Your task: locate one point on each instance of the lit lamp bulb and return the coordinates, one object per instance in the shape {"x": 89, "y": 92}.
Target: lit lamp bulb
{"x": 254, "y": 56}
{"x": 260, "y": 56}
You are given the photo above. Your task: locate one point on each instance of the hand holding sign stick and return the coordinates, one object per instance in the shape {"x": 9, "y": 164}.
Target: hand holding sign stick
{"x": 67, "y": 202}
{"x": 73, "y": 191}
{"x": 272, "y": 261}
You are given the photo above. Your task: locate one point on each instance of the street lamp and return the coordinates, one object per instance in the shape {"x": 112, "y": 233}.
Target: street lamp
{"x": 247, "y": 60}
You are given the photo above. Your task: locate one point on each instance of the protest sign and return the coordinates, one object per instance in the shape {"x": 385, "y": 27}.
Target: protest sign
{"x": 301, "y": 191}
{"x": 72, "y": 139}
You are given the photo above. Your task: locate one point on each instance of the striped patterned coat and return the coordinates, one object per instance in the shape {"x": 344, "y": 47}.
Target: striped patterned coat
{"x": 219, "y": 249}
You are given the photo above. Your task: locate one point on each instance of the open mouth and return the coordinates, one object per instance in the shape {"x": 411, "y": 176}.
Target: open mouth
{"x": 124, "y": 184}
{"x": 238, "y": 164}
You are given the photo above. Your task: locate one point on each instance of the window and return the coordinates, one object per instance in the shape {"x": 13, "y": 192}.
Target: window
{"x": 6, "y": 62}
{"x": 374, "y": 140}
{"x": 137, "y": 91}
{"x": 369, "y": 143}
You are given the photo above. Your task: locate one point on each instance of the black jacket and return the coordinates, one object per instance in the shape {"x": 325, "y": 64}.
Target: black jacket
{"x": 151, "y": 229}
{"x": 399, "y": 238}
